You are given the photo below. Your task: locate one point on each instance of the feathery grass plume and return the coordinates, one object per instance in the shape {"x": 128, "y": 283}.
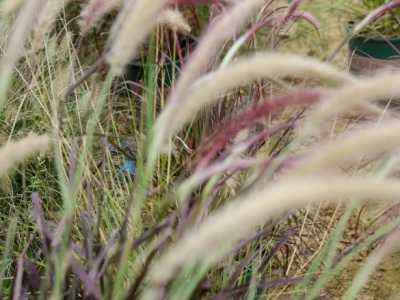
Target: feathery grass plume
{"x": 289, "y": 14}
{"x": 225, "y": 27}
{"x": 132, "y": 26}
{"x": 46, "y": 18}
{"x": 188, "y": 2}
{"x": 15, "y": 152}
{"x": 25, "y": 21}
{"x": 95, "y": 10}
{"x": 307, "y": 17}
{"x": 9, "y": 6}
{"x": 252, "y": 116}
{"x": 263, "y": 22}
{"x": 239, "y": 74}
{"x": 371, "y": 141}
{"x": 175, "y": 20}
{"x": 381, "y": 86}
{"x": 208, "y": 243}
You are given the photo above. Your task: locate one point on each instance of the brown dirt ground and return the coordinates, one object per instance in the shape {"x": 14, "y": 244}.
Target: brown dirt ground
{"x": 385, "y": 281}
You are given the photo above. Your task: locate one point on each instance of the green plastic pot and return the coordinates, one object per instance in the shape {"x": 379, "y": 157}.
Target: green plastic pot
{"x": 367, "y": 54}
{"x": 370, "y": 54}
{"x": 167, "y": 72}
{"x": 135, "y": 71}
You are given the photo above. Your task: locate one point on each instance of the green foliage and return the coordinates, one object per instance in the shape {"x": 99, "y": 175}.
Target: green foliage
{"x": 386, "y": 25}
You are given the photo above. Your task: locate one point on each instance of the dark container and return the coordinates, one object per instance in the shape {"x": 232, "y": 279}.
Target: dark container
{"x": 167, "y": 71}
{"x": 369, "y": 54}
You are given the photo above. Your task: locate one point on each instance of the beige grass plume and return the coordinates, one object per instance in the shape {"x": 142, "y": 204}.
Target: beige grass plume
{"x": 175, "y": 20}
{"x": 204, "y": 90}
{"x": 17, "y": 151}
{"x": 95, "y": 10}
{"x": 10, "y": 6}
{"x": 17, "y": 38}
{"x": 364, "y": 142}
{"x": 130, "y": 30}
{"x": 235, "y": 220}
{"x": 364, "y": 91}
{"x": 381, "y": 86}
{"x": 46, "y": 18}
{"x": 224, "y": 28}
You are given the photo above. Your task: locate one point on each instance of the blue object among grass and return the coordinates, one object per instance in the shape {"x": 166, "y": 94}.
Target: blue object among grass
{"x": 128, "y": 168}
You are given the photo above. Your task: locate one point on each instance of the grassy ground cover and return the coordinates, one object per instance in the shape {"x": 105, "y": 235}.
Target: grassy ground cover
{"x": 262, "y": 171}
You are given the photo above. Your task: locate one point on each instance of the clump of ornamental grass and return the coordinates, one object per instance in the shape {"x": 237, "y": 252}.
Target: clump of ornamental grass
{"x": 217, "y": 212}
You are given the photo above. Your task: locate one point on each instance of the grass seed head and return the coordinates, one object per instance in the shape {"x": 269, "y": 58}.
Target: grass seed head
{"x": 235, "y": 220}
{"x": 17, "y": 151}
{"x": 10, "y": 6}
{"x": 95, "y": 10}
{"x": 175, "y": 20}
{"x": 207, "y": 88}
{"x": 46, "y": 18}
{"x": 132, "y": 27}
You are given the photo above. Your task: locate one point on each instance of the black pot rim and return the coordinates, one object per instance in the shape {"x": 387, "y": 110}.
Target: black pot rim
{"x": 141, "y": 65}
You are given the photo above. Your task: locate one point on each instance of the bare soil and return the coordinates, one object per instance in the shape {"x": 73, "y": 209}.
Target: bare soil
{"x": 302, "y": 39}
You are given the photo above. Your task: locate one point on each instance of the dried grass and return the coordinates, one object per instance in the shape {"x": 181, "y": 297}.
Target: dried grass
{"x": 235, "y": 220}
